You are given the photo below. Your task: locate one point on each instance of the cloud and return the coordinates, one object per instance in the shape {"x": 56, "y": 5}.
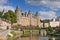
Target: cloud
{"x": 53, "y": 4}
{"x": 6, "y": 7}
{"x": 47, "y": 15}
{"x": 3, "y": 2}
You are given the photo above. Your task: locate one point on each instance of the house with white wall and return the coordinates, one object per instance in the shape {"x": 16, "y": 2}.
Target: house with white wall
{"x": 4, "y": 23}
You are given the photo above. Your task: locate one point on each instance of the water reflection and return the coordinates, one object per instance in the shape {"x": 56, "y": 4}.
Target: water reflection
{"x": 37, "y": 37}
{"x": 43, "y": 32}
{"x": 41, "y": 36}
{"x": 54, "y": 38}
{"x": 44, "y": 38}
{"x": 30, "y": 38}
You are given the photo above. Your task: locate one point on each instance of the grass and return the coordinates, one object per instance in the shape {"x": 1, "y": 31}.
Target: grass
{"x": 26, "y": 30}
{"x": 35, "y": 30}
{"x": 9, "y": 38}
{"x": 12, "y": 32}
{"x": 15, "y": 33}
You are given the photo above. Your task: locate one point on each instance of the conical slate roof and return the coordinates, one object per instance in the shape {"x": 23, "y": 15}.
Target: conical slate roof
{"x": 17, "y": 8}
{"x": 29, "y": 12}
{"x": 37, "y": 13}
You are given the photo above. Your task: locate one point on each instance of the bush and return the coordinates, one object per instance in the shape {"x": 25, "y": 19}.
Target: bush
{"x": 12, "y": 32}
{"x": 58, "y": 30}
{"x": 50, "y": 29}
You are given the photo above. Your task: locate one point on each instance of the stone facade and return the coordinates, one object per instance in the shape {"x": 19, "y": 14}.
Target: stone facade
{"x": 54, "y": 23}
{"x": 4, "y": 23}
{"x": 27, "y": 19}
{"x": 45, "y": 25}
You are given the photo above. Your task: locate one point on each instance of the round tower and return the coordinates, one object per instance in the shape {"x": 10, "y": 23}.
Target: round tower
{"x": 18, "y": 14}
{"x": 30, "y": 13}
{"x": 30, "y": 16}
{"x": 38, "y": 19}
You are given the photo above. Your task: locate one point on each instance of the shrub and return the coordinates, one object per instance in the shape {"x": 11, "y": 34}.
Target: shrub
{"x": 50, "y": 29}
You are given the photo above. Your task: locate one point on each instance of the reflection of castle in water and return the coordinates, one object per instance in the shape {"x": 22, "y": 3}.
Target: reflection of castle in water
{"x": 43, "y": 32}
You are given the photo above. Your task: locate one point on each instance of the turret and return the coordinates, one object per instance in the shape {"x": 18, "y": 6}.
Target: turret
{"x": 3, "y": 12}
{"x": 18, "y": 11}
{"x": 37, "y": 14}
{"x": 29, "y": 13}
{"x": 26, "y": 14}
{"x": 30, "y": 16}
{"x": 38, "y": 18}
{"x": 18, "y": 14}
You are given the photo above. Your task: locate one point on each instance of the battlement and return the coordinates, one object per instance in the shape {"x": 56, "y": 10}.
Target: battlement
{"x": 27, "y": 18}
{"x": 26, "y": 14}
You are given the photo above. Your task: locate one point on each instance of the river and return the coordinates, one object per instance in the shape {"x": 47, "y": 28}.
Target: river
{"x": 38, "y": 38}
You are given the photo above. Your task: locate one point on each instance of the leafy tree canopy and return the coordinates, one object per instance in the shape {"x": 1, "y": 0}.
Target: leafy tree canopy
{"x": 0, "y": 14}
{"x": 10, "y": 15}
{"x": 45, "y": 21}
{"x": 50, "y": 29}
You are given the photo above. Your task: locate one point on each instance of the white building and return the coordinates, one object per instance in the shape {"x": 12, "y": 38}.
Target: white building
{"x": 45, "y": 25}
{"x": 4, "y": 23}
{"x": 54, "y": 23}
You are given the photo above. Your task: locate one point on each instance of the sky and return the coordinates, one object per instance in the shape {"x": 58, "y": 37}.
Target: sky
{"x": 47, "y": 8}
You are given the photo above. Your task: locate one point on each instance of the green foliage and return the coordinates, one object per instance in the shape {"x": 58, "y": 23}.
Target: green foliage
{"x": 58, "y": 30}
{"x": 10, "y": 15}
{"x": 50, "y": 29}
{"x": 26, "y": 30}
{"x": 12, "y": 32}
{"x": 0, "y": 14}
{"x": 45, "y": 21}
{"x": 9, "y": 38}
{"x": 35, "y": 30}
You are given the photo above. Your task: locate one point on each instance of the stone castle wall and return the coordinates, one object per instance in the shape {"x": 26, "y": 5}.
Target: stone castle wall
{"x": 27, "y": 19}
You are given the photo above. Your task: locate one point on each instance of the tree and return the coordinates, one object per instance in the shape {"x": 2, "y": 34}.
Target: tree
{"x": 0, "y": 14}
{"x": 45, "y": 21}
{"x": 57, "y": 30}
{"x": 50, "y": 29}
{"x": 11, "y": 16}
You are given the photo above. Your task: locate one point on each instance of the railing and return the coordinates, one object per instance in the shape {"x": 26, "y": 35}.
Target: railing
{"x": 4, "y": 34}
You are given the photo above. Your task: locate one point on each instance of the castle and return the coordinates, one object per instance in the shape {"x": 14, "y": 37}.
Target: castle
{"x": 27, "y": 19}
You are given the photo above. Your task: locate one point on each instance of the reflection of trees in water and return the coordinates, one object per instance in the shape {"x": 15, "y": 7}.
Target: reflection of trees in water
{"x": 52, "y": 38}
{"x": 34, "y": 37}
{"x": 31, "y": 37}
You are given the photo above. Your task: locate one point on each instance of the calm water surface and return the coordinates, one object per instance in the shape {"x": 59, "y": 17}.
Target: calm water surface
{"x": 38, "y": 37}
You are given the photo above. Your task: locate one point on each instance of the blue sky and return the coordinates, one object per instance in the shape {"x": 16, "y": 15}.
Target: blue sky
{"x": 47, "y": 8}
